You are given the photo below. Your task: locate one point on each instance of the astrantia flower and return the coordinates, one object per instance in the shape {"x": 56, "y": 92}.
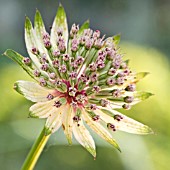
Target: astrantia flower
{"x": 81, "y": 79}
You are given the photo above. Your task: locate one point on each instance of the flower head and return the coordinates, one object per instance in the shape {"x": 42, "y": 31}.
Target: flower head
{"x": 81, "y": 78}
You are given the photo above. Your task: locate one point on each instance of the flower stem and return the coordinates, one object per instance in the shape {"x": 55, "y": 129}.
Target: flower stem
{"x": 35, "y": 151}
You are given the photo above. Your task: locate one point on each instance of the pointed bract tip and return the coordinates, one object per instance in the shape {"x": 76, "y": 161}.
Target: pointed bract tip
{"x": 5, "y": 53}
{"x": 151, "y": 132}
{"x": 27, "y": 21}
{"x": 37, "y": 12}
{"x": 119, "y": 149}
{"x": 87, "y": 21}
{"x": 118, "y": 35}
{"x": 69, "y": 142}
{"x": 32, "y": 115}
{"x": 147, "y": 73}
{"x": 60, "y": 5}
{"x": 26, "y": 18}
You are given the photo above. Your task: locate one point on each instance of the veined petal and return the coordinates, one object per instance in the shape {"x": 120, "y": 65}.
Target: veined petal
{"x": 54, "y": 121}
{"x": 31, "y": 41}
{"x": 84, "y": 26}
{"x": 83, "y": 136}
{"x": 126, "y": 124}
{"x": 32, "y": 91}
{"x": 116, "y": 39}
{"x": 138, "y": 97}
{"x": 67, "y": 122}
{"x": 113, "y": 40}
{"x": 60, "y": 22}
{"x": 40, "y": 31}
{"x": 39, "y": 25}
{"x": 18, "y": 59}
{"x": 131, "y": 78}
{"x": 141, "y": 75}
{"x": 42, "y": 109}
{"x": 100, "y": 130}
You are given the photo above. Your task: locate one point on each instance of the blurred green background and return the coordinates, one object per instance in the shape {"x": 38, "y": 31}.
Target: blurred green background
{"x": 145, "y": 29}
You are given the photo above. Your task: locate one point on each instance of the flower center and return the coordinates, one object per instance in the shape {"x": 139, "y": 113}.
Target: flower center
{"x": 73, "y": 96}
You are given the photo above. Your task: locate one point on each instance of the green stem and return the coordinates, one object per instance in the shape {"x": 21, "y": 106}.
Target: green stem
{"x": 35, "y": 151}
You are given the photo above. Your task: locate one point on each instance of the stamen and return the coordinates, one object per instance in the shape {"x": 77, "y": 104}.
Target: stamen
{"x": 73, "y": 75}
{"x": 46, "y": 35}
{"x": 35, "y": 51}
{"x": 63, "y": 68}
{"x": 118, "y": 117}
{"x": 76, "y": 118}
{"x": 72, "y": 91}
{"x": 110, "y": 81}
{"x": 93, "y": 106}
{"x": 43, "y": 58}
{"x": 126, "y": 106}
{"x": 120, "y": 80}
{"x": 112, "y": 72}
{"x": 59, "y": 32}
{"x": 73, "y": 104}
{"x": 131, "y": 87}
{"x": 116, "y": 93}
{"x": 104, "y": 102}
{"x": 128, "y": 99}
{"x": 102, "y": 55}
{"x": 79, "y": 60}
{"x": 92, "y": 67}
{"x": 55, "y": 63}
{"x": 44, "y": 67}
{"x": 96, "y": 89}
{"x": 111, "y": 54}
{"x": 111, "y": 126}
{"x": 27, "y": 61}
{"x": 52, "y": 75}
{"x": 50, "y": 96}
{"x": 96, "y": 34}
{"x": 123, "y": 65}
{"x": 74, "y": 30}
{"x": 93, "y": 77}
{"x": 88, "y": 43}
{"x": 42, "y": 82}
{"x": 57, "y": 104}
{"x": 47, "y": 44}
{"x": 120, "y": 74}
{"x": 80, "y": 98}
{"x": 56, "y": 53}
{"x": 74, "y": 45}
{"x": 84, "y": 78}
{"x": 98, "y": 43}
{"x": 61, "y": 44}
{"x": 100, "y": 64}
{"x": 66, "y": 57}
{"x": 37, "y": 73}
{"x": 116, "y": 63}
{"x": 96, "y": 118}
